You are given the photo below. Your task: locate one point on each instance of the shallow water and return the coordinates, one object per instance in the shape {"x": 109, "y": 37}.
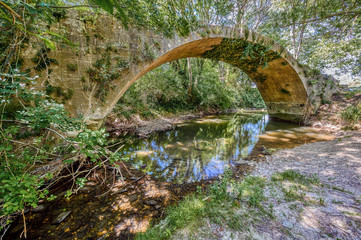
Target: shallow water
{"x": 204, "y": 148}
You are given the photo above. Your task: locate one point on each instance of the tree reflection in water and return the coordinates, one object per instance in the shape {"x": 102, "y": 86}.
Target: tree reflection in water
{"x": 197, "y": 150}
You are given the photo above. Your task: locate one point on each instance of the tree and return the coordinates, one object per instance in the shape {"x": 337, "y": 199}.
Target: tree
{"x": 323, "y": 34}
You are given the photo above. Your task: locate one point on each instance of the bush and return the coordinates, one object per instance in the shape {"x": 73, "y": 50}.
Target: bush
{"x": 352, "y": 114}
{"x": 24, "y": 144}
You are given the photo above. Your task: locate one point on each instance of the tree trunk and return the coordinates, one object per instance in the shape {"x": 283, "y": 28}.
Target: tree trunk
{"x": 189, "y": 77}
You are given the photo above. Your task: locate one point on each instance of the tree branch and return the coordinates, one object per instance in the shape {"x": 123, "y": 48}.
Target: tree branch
{"x": 65, "y": 7}
{"x": 353, "y": 13}
{"x": 12, "y": 12}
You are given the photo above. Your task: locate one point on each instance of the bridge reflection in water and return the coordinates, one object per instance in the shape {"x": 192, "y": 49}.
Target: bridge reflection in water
{"x": 198, "y": 150}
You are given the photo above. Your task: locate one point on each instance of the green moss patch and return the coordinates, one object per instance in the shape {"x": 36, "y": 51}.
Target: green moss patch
{"x": 249, "y": 57}
{"x": 42, "y": 60}
{"x": 105, "y": 70}
{"x": 285, "y": 91}
{"x": 72, "y": 67}
{"x": 58, "y": 92}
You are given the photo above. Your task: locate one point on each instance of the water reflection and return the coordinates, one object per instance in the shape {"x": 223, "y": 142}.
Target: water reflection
{"x": 197, "y": 150}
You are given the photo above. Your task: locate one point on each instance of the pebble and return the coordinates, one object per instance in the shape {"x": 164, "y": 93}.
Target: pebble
{"x": 132, "y": 198}
{"x": 123, "y": 190}
{"x": 287, "y": 224}
{"x": 39, "y": 208}
{"x": 239, "y": 162}
{"x": 61, "y": 217}
{"x": 84, "y": 189}
{"x": 151, "y": 202}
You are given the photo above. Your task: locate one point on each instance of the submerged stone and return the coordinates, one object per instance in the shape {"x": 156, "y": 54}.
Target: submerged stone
{"x": 132, "y": 198}
{"x": 61, "y": 217}
{"x": 39, "y": 208}
{"x": 151, "y": 202}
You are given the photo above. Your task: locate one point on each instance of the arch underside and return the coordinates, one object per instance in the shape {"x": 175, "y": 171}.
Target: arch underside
{"x": 279, "y": 84}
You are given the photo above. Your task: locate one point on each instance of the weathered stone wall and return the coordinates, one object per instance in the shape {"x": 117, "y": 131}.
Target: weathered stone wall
{"x": 321, "y": 88}
{"x": 107, "y": 59}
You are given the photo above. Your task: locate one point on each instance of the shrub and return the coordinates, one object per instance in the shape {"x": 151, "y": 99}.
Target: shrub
{"x": 352, "y": 114}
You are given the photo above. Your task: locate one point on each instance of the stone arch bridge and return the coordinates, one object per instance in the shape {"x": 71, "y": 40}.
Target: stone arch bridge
{"x": 107, "y": 59}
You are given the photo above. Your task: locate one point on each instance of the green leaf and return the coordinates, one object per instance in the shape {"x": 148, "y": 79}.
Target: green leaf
{"x": 107, "y": 5}
{"x": 123, "y": 17}
{"x": 59, "y": 36}
{"x": 50, "y": 44}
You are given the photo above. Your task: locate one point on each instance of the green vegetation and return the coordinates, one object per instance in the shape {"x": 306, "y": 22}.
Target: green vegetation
{"x": 235, "y": 205}
{"x": 295, "y": 176}
{"x": 352, "y": 115}
{"x": 177, "y": 87}
{"x": 30, "y": 137}
{"x": 311, "y": 30}
{"x": 42, "y": 60}
{"x": 58, "y": 92}
{"x": 220, "y": 204}
{"x": 253, "y": 56}
{"x": 72, "y": 67}
{"x": 299, "y": 183}
{"x": 104, "y": 71}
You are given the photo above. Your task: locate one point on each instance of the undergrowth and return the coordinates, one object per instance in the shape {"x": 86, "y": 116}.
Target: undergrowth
{"x": 227, "y": 203}
{"x": 219, "y": 204}
{"x": 170, "y": 89}
{"x": 352, "y": 115}
{"x": 34, "y": 134}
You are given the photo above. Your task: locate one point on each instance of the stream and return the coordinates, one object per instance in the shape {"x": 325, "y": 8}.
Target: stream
{"x": 202, "y": 149}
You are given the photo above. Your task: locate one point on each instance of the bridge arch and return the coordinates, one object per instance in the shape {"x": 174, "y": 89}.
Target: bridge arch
{"x": 279, "y": 78}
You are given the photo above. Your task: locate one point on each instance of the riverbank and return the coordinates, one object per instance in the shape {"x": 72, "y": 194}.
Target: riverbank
{"x": 310, "y": 192}
{"x": 141, "y": 127}
{"x": 331, "y": 117}
{"x": 328, "y": 118}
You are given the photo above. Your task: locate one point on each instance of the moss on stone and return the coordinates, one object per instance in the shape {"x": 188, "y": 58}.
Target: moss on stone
{"x": 58, "y": 91}
{"x": 98, "y": 36}
{"x": 42, "y": 59}
{"x": 285, "y": 91}
{"x": 105, "y": 70}
{"x": 243, "y": 54}
{"x": 61, "y": 14}
{"x": 72, "y": 67}
{"x": 147, "y": 54}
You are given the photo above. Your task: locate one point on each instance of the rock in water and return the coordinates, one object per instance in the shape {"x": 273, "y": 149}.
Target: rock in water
{"x": 151, "y": 202}
{"x": 132, "y": 198}
{"x": 61, "y": 217}
{"x": 39, "y": 208}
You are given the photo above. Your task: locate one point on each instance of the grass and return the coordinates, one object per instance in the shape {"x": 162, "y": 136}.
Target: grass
{"x": 296, "y": 177}
{"x": 298, "y": 183}
{"x": 218, "y": 204}
{"x": 236, "y": 206}
{"x": 341, "y": 190}
{"x": 337, "y": 202}
{"x": 292, "y": 194}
